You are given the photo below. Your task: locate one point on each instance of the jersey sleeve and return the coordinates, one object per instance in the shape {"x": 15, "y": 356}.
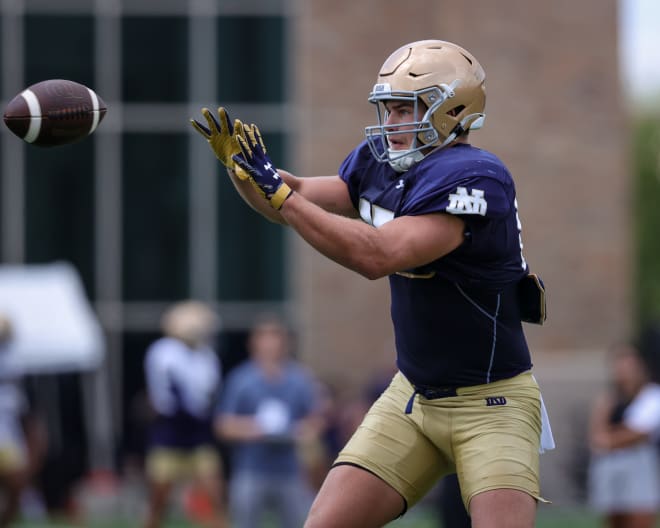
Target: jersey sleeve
{"x": 352, "y": 168}
{"x": 157, "y": 374}
{"x": 643, "y": 414}
{"x": 470, "y": 195}
{"x": 484, "y": 199}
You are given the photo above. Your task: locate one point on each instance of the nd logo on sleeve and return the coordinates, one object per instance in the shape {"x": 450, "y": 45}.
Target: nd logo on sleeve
{"x": 461, "y": 202}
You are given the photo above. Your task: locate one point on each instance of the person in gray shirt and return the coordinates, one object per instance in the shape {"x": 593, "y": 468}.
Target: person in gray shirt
{"x": 268, "y": 406}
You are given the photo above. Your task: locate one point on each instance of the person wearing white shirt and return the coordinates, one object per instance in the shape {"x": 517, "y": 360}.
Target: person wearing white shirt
{"x": 624, "y": 430}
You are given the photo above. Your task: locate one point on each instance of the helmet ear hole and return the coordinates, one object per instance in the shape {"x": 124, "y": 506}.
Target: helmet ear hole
{"x": 456, "y": 110}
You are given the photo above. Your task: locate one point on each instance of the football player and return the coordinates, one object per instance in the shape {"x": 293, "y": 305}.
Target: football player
{"x": 183, "y": 376}
{"x": 439, "y": 218}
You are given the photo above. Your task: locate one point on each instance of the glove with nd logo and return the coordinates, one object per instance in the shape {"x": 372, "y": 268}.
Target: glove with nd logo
{"x": 260, "y": 168}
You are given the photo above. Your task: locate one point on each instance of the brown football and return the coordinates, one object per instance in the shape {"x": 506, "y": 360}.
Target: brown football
{"x": 54, "y": 112}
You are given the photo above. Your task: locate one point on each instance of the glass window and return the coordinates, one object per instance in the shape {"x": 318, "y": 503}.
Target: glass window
{"x": 251, "y": 55}
{"x": 59, "y": 197}
{"x": 155, "y": 230}
{"x": 154, "y": 59}
{"x": 59, "y": 47}
{"x": 250, "y": 248}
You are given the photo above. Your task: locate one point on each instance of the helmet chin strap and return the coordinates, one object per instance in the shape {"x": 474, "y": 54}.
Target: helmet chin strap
{"x": 469, "y": 122}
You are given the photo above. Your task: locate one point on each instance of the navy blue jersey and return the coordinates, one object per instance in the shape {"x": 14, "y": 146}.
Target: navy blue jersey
{"x": 457, "y": 319}
{"x": 182, "y": 383}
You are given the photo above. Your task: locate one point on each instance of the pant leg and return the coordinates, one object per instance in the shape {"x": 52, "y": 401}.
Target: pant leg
{"x": 293, "y": 501}
{"x": 247, "y": 500}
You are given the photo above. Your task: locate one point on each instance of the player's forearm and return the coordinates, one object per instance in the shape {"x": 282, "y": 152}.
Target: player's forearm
{"x": 237, "y": 428}
{"x": 346, "y": 241}
{"x": 621, "y": 436}
{"x": 615, "y": 437}
{"x": 328, "y": 192}
{"x": 254, "y": 200}
{"x": 599, "y": 419}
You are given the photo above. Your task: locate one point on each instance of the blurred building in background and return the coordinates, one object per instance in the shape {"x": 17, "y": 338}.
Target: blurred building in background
{"x": 144, "y": 212}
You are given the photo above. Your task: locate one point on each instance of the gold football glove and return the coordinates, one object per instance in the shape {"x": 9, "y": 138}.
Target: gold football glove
{"x": 222, "y": 137}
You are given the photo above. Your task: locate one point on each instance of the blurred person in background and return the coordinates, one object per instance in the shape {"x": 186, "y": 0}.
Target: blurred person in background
{"x": 624, "y": 429}
{"x": 13, "y": 450}
{"x": 183, "y": 376}
{"x": 267, "y": 412}
{"x": 417, "y": 203}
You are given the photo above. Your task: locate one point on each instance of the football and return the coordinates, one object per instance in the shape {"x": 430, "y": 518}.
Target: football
{"x": 54, "y": 112}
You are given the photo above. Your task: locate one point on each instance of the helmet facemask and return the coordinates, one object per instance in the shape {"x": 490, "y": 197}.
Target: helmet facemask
{"x": 426, "y": 136}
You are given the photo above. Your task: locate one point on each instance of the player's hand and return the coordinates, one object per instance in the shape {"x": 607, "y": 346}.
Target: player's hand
{"x": 260, "y": 168}
{"x": 222, "y": 137}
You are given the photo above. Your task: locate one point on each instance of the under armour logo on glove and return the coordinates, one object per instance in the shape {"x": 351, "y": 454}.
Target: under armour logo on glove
{"x": 266, "y": 180}
{"x": 269, "y": 167}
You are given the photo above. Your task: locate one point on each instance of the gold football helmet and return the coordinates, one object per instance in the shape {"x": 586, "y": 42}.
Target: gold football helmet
{"x": 446, "y": 79}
